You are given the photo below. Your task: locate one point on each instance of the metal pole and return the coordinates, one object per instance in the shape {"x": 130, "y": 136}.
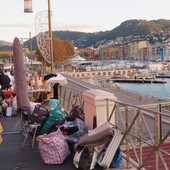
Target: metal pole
{"x": 31, "y": 52}
{"x": 50, "y": 35}
{"x": 160, "y": 123}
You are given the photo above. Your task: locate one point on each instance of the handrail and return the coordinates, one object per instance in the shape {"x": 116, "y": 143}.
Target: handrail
{"x": 148, "y": 133}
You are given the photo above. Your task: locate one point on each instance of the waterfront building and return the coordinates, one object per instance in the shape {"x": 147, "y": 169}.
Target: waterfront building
{"x": 154, "y": 51}
{"x": 88, "y": 53}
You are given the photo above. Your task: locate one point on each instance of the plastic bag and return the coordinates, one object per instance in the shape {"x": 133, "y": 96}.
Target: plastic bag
{"x": 83, "y": 158}
{"x": 117, "y": 159}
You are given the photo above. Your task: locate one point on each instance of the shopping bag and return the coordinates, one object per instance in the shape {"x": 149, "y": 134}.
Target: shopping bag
{"x": 53, "y": 148}
{"x": 9, "y": 111}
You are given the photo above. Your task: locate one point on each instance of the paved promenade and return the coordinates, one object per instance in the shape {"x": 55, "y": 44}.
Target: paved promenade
{"x": 12, "y": 157}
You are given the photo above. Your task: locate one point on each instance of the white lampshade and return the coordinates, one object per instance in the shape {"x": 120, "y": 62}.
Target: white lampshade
{"x": 28, "y": 6}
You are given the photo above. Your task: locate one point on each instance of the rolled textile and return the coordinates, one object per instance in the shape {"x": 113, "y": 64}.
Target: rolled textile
{"x": 100, "y": 135}
{"x": 20, "y": 78}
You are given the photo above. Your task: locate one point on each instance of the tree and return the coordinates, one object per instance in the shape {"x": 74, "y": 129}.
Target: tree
{"x": 59, "y": 52}
{"x": 69, "y": 49}
{"x": 62, "y": 50}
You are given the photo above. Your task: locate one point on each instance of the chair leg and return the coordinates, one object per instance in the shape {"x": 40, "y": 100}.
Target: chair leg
{"x": 33, "y": 130}
{"x": 34, "y": 136}
{"x": 26, "y": 136}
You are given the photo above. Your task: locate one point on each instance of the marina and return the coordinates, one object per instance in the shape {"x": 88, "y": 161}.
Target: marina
{"x": 156, "y": 90}
{"x": 152, "y": 80}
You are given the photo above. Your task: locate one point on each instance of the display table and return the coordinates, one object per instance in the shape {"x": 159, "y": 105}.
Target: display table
{"x": 34, "y": 93}
{"x": 9, "y": 93}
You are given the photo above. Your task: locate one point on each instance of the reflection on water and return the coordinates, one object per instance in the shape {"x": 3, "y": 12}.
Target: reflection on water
{"x": 161, "y": 91}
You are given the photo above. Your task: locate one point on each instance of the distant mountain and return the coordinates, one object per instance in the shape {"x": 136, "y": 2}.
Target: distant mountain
{"x": 127, "y": 28}
{"x": 132, "y": 27}
{"x": 4, "y": 45}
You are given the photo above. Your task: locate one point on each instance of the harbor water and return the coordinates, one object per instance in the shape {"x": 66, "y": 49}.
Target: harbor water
{"x": 161, "y": 91}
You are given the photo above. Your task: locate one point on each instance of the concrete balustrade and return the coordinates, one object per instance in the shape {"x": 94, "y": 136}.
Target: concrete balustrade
{"x": 97, "y": 108}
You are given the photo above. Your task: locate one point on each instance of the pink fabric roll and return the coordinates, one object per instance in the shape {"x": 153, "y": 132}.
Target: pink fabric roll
{"x": 23, "y": 102}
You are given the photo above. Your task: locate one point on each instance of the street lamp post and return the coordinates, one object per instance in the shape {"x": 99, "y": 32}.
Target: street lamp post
{"x": 50, "y": 34}
{"x": 30, "y": 39}
{"x": 31, "y": 57}
{"x": 28, "y": 9}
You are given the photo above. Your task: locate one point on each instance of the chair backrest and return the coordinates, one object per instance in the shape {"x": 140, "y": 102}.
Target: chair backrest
{"x": 24, "y": 115}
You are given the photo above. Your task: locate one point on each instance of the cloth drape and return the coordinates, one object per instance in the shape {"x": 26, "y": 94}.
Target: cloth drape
{"x": 20, "y": 78}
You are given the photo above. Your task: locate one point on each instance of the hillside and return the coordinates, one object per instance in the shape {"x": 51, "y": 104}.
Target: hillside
{"x": 128, "y": 28}
{"x": 4, "y": 45}
{"x": 132, "y": 27}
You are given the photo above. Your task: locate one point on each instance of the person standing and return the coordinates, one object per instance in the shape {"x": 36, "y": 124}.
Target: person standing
{"x": 12, "y": 83}
{"x": 4, "y": 81}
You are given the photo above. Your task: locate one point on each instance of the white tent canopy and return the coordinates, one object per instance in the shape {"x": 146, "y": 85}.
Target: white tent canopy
{"x": 53, "y": 80}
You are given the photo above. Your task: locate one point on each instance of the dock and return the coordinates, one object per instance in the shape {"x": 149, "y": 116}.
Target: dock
{"x": 163, "y": 76}
{"x": 139, "y": 81}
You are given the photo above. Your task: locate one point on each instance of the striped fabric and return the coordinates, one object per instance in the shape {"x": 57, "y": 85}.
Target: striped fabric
{"x": 53, "y": 148}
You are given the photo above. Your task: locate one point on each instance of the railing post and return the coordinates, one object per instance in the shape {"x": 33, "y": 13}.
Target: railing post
{"x": 140, "y": 137}
{"x": 127, "y": 135}
{"x": 156, "y": 141}
{"x": 96, "y": 107}
{"x": 136, "y": 127}
{"x": 160, "y": 123}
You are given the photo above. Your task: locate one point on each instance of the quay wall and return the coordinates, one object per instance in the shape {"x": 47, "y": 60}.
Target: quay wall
{"x": 106, "y": 73}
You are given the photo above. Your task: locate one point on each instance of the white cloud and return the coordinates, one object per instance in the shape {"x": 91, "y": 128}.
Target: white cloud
{"x": 16, "y": 25}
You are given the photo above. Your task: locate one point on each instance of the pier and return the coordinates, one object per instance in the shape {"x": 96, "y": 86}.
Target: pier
{"x": 163, "y": 76}
{"x": 138, "y": 81}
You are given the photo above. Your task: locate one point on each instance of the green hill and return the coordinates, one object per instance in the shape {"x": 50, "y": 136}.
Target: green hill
{"x": 130, "y": 27}
{"x": 134, "y": 27}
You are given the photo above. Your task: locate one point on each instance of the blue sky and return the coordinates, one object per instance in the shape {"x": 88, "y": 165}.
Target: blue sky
{"x": 77, "y": 15}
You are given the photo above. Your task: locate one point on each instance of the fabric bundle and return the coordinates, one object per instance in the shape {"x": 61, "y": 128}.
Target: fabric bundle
{"x": 23, "y": 102}
{"x": 102, "y": 134}
{"x": 90, "y": 145}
